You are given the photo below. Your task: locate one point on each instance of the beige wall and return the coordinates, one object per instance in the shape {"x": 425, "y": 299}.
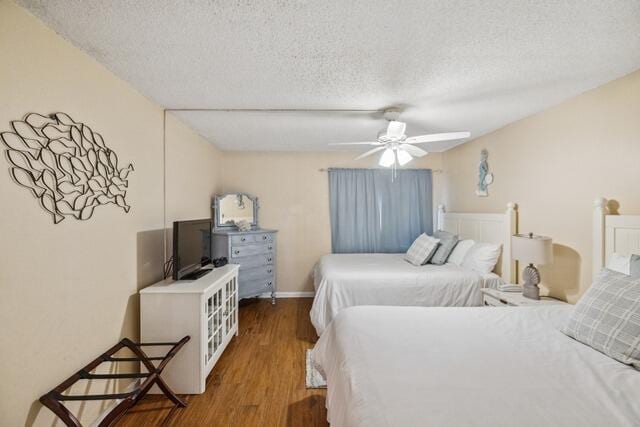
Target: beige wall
{"x": 554, "y": 164}
{"x": 69, "y": 291}
{"x": 192, "y": 175}
{"x": 294, "y": 199}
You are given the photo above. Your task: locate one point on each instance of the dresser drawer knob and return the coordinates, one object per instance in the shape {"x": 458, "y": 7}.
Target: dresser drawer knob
{"x": 269, "y": 270}
{"x": 270, "y": 284}
{"x": 264, "y": 237}
{"x": 270, "y": 247}
{"x": 269, "y": 259}
{"x": 236, "y": 252}
{"x": 242, "y": 239}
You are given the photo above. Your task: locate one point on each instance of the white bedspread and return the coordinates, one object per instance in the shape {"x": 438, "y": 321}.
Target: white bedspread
{"x": 345, "y": 280}
{"x": 413, "y": 366}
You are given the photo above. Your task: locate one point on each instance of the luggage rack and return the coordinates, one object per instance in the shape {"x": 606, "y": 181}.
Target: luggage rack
{"x": 53, "y": 399}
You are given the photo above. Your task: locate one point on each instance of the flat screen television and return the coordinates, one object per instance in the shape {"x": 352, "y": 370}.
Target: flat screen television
{"x": 191, "y": 248}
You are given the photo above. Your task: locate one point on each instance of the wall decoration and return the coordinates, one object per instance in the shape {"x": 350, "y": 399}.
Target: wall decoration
{"x": 485, "y": 178}
{"x": 66, "y": 165}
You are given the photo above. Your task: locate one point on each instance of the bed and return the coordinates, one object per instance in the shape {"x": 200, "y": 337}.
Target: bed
{"x": 345, "y": 280}
{"x": 417, "y": 366}
{"x": 503, "y": 366}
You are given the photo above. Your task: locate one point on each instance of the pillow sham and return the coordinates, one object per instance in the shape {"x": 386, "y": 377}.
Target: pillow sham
{"x": 607, "y": 317}
{"x": 634, "y": 266}
{"x": 482, "y": 257}
{"x": 422, "y": 249}
{"x": 619, "y": 263}
{"x": 629, "y": 264}
{"x": 447, "y": 243}
{"x": 459, "y": 251}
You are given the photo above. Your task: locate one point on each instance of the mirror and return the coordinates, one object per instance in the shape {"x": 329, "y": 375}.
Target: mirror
{"x": 234, "y": 207}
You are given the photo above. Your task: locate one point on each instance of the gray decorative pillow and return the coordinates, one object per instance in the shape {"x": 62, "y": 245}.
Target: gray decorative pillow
{"x": 634, "y": 266}
{"x": 448, "y": 241}
{"x": 421, "y": 249}
{"x": 607, "y": 317}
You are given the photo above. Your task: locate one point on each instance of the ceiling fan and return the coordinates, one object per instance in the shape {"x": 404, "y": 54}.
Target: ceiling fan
{"x": 398, "y": 148}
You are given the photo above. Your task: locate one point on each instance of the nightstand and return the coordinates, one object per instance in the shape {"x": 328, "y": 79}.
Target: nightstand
{"x": 495, "y": 298}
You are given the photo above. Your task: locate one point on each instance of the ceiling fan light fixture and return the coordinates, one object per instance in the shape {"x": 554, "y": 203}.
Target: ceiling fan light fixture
{"x": 403, "y": 157}
{"x": 395, "y": 130}
{"x": 388, "y": 158}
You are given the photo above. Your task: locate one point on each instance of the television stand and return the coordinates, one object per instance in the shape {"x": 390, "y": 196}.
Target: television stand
{"x": 205, "y": 309}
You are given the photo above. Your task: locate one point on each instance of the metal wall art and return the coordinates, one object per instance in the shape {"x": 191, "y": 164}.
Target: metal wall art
{"x": 66, "y": 165}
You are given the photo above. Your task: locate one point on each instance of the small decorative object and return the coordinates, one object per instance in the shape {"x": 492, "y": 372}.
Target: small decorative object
{"x": 220, "y": 262}
{"x": 485, "y": 178}
{"x": 66, "y": 165}
{"x": 243, "y": 225}
{"x": 536, "y": 250}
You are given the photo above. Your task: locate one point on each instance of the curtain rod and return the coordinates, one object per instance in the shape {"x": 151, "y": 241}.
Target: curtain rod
{"x": 382, "y": 169}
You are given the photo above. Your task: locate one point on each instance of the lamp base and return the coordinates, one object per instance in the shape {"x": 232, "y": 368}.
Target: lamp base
{"x": 530, "y": 287}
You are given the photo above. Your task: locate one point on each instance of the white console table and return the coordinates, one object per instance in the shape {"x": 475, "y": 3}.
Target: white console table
{"x": 205, "y": 309}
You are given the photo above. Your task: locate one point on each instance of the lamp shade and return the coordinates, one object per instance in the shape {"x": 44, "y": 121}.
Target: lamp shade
{"x": 532, "y": 249}
{"x": 388, "y": 158}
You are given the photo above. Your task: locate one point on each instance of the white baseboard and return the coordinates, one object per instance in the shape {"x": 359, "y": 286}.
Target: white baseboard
{"x": 297, "y": 294}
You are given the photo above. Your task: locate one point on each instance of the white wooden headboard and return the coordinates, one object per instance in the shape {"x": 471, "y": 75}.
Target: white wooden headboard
{"x": 485, "y": 227}
{"x": 613, "y": 234}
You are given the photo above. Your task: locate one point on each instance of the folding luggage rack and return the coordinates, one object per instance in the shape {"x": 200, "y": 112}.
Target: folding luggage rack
{"x": 53, "y": 399}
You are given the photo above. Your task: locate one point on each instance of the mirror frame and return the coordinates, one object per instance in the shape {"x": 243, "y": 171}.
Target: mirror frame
{"x": 216, "y": 209}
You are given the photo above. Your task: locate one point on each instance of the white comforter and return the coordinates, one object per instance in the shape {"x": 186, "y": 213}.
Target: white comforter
{"x": 414, "y": 366}
{"x": 345, "y": 280}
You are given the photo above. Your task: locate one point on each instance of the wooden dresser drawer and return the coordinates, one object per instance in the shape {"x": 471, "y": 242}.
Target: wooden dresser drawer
{"x": 242, "y": 239}
{"x": 254, "y": 287}
{"x": 494, "y": 302}
{"x": 248, "y": 250}
{"x": 250, "y": 238}
{"x": 255, "y": 260}
{"x": 263, "y": 272}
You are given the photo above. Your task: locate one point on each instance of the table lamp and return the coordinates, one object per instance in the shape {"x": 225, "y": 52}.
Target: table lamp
{"x": 535, "y": 250}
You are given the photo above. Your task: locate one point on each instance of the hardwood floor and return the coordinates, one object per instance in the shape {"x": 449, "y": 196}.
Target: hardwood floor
{"x": 258, "y": 381}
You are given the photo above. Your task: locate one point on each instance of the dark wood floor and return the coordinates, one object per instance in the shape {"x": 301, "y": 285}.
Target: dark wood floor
{"x": 258, "y": 381}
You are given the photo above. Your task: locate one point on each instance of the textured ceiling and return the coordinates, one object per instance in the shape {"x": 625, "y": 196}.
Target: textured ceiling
{"x": 453, "y": 65}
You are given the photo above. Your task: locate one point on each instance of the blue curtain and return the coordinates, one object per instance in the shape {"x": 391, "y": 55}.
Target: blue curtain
{"x": 371, "y": 212}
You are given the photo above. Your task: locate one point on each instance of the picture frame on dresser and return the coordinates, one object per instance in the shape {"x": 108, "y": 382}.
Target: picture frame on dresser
{"x": 254, "y": 250}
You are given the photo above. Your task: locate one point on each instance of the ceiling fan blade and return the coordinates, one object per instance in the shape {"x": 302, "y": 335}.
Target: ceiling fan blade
{"x": 414, "y": 151}
{"x": 370, "y": 152}
{"x": 437, "y": 137}
{"x": 355, "y": 143}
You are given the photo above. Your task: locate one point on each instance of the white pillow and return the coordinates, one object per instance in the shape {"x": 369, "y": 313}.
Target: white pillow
{"x": 482, "y": 257}
{"x": 620, "y": 263}
{"x": 422, "y": 249}
{"x": 457, "y": 255}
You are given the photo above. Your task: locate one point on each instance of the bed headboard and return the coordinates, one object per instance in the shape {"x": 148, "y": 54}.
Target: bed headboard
{"x": 485, "y": 227}
{"x": 613, "y": 234}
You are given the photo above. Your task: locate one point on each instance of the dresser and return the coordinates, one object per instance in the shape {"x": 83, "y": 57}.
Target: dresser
{"x": 206, "y": 309}
{"x": 255, "y": 252}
